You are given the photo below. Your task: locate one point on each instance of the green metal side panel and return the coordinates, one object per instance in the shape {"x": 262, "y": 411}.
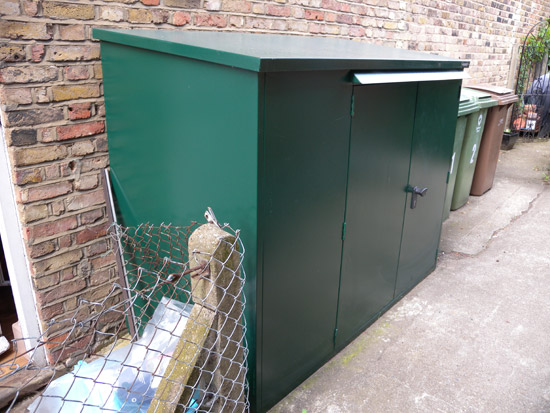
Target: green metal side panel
{"x": 307, "y": 120}
{"x": 183, "y": 135}
{"x": 378, "y": 173}
{"x": 455, "y": 160}
{"x": 434, "y": 130}
{"x": 468, "y": 159}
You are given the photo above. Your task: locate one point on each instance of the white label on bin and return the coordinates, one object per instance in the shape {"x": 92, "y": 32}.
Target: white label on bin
{"x": 479, "y": 120}
{"x": 473, "y": 153}
{"x": 530, "y": 125}
{"x": 452, "y": 162}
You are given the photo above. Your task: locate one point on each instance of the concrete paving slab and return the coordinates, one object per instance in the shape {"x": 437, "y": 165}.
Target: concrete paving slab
{"x": 471, "y": 337}
{"x": 520, "y": 179}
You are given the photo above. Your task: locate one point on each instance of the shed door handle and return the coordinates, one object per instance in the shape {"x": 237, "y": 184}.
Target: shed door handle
{"x": 416, "y": 191}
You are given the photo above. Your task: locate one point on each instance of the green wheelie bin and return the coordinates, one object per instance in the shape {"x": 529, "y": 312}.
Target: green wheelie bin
{"x": 466, "y": 106}
{"x": 470, "y": 147}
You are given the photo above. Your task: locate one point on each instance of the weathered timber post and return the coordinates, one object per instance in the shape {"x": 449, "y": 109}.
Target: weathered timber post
{"x": 210, "y": 352}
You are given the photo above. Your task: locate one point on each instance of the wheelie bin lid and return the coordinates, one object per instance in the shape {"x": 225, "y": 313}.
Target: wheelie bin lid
{"x": 482, "y": 99}
{"x": 466, "y": 105}
{"x": 503, "y": 95}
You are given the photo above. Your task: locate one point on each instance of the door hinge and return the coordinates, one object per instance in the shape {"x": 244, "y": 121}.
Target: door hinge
{"x": 335, "y": 334}
{"x": 352, "y": 106}
{"x": 343, "y": 231}
{"x": 448, "y": 176}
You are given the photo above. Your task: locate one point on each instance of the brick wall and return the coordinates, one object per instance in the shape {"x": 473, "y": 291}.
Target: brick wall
{"x": 53, "y": 114}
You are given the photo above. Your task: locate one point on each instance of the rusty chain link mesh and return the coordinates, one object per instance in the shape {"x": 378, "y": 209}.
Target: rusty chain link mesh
{"x": 169, "y": 336}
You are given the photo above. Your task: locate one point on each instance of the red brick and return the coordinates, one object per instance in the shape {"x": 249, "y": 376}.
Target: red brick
{"x": 28, "y": 74}
{"x": 345, "y": 18}
{"x": 47, "y": 313}
{"x": 34, "y": 213}
{"x": 110, "y": 317}
{"x": 98, "y": 294}
{"x": 159, "y": 17}
{"x": 314, "y": 15}
{"x": 80, "y": 130}
{"x": 151, "y": 2}
{"x": 17, "y": 96}
{"x": 331, "y": 5}
{"x": 73, "y": 53}
{"x": 71, "y": 349}
{"x": 52, "y": 228}
{"x": 72, "y": 32}
{"x": 91, "y": 233}
{"x": 63, "y": 290}
{"x": 64, "y": 241}
{"x": 184, "y": 4}
{"x": 82, "y": 148}
{"x": 211, "y": 20}
{"x": 85, "y": 200}
{"x": 91, "y": 216}
{"x": 58, "y": 207}
{"x": 103, "y": 261}
{"x": 52, "y": 171}
{"x": 46, "y": 281}
{"x": 66, "y": 275}
{"x": 237, "y": 6}
{"x": 181, "y": 18}
{"x": 37, "y": 193}
{"x": 30, "y": 7}
{"x": 99, "y": 277}
{"x": 282, "y": 11}
{"x": 91, "y": 164}
{"x": 86, "y": 182}
{"x": 10, "y": 7}
{"x": 76, "y": 72}
{"x": 47, "y": 135}
{"x": 96, "y": 248}
{"x": 80, "y": 111}
{"x": 76, "y": 347}
{"x": 57, "y": 262}
{"x": 27, "y": 176}
{"x": 357, "y": 31}
{"x": 54, "y": 340}
{"x": 101, "y": 144}
{"x": 37, "y": 52}
{"x": 42, "y": 95}
{"x": 42, "y": 248}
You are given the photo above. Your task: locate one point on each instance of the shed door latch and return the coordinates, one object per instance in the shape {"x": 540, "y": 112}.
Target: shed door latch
{"x": 416, "y": 191}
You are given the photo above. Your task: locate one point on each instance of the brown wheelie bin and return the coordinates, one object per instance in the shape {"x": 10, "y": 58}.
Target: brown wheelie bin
{"x": 492, "y": 137}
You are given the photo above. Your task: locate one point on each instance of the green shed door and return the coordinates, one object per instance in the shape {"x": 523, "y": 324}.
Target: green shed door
{"x": 378, "y": 171}
{"x": 307, "y": 121}
{"x": 432, "y": 147}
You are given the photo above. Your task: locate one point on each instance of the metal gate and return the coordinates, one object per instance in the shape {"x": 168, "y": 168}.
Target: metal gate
{"x": 531, "y": 114}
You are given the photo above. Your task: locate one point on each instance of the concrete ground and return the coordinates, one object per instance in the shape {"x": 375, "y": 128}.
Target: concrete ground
{"x": 474, "y": 336}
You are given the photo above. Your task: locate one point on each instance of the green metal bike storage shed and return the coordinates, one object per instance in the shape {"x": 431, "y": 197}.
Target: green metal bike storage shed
{"x": 331, "y": 156}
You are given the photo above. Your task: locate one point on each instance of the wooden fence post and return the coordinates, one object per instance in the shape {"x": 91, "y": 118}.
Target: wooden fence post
{"x": 209, "y": 352}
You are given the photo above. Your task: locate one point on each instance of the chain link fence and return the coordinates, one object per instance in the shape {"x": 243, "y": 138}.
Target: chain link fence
{"x": 168, "y": 337}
